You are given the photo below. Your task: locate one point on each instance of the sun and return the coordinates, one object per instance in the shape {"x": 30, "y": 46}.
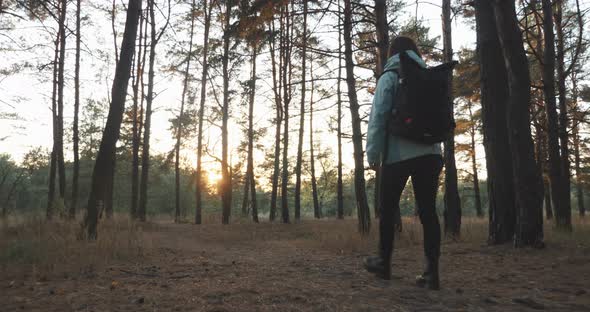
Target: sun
{"x": 213, "y": 177}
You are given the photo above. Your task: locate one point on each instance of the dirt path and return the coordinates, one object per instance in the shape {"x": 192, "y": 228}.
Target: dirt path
{"x": 214, "y": 268}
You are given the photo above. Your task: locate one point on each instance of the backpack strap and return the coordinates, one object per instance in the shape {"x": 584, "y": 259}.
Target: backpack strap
{"x": 389, "y": 70}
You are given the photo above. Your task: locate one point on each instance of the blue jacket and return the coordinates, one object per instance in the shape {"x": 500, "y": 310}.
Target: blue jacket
{"x": 399, "y": 149}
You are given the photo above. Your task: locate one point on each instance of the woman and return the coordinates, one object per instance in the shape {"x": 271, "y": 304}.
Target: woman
{"x": 400, "y": 159}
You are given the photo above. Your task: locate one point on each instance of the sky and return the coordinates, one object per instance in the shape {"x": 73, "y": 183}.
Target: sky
{"x": 28, "y": 93}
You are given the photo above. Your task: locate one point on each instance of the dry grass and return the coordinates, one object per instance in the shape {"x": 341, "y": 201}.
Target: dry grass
{"x": 313, "y": 265}
{"x": 41, "y": 248}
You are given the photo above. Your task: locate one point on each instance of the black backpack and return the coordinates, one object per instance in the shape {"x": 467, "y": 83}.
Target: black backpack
{"x": 423, "y": 110}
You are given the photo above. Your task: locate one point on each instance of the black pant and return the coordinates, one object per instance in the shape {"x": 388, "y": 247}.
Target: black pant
{"x": 425, "y": 171}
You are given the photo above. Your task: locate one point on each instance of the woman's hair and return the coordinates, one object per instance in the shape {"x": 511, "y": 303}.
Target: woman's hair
{"x": 400, "y": 44}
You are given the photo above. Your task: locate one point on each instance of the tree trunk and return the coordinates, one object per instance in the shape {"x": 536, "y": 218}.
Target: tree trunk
{"x": 60, "y": 103}
{"x": 301, "y": 117}
{"x": 563, "y": 212}
{"x": 543, "y": 163}
{"x": 364, "y": 214}
{"x": 340, "y": 188}
{"x": 245, "y": 208}
{"x": 181, "y": 115}
{"x": 317, "y": 210}
{"x": 494, "y": 97}
{"x": 579, "y": 183}
{"x": 476, "y": 190}
{"x": 226, "y": 186}
{"x": 136, "y": 137}
{"x": 76, "y": 137}
{"x": 204, "y": 75}
{"x": 555, "y": 176}
{"x": 382, "y": 31}
{"x": 577, "y": 158}
{"x": 250, "y": 167}
{"x": 53, "y": 161}
{"x": 114, "y": 30}
{"x": 452, "y": 206}
{"x": 278, "y": 119}
{"x": 526, "y": 175}
{"x": 113, "y": 125}
{"x": 145, "y": 157}
{"x": 286, "y": 101}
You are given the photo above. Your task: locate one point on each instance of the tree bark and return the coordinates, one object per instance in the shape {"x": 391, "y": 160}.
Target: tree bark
{"x": 364, "y": 214}
{"x": 452, "y": 201}
{"x": 60, "y": 103}
{"x": 114, "y": 119}
{"x": 577, "y": 159}
{"x": 317, "y": 210}
{"x": 494, "y": 97}
{"x": 526, "y": 175}
{"x": 137, "y": 120}
{"x": 226, "y": 186}
{"x": 250, "y": 167}
{"x": 181, "y": 115}
{"x": 278, "y": 122}
{"x": 76, "y": 136}
{"x": 555, "y": 174}
{"x": 340, "y": 188}
{"x": 301, "y": 117}
{"x": 145, "y": 157}
{"x": 286, "y": 101}
{"x": 53, "y": 161}
{"x": 476, "y": 191}
{"x": 382, "y": 31}
{"x": 563, "y": 212}
{"x": 204, "y": 75}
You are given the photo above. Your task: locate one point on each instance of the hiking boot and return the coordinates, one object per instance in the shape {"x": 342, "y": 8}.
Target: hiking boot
{"x": 378, "y": 266}
{"x": 429, "y": 279}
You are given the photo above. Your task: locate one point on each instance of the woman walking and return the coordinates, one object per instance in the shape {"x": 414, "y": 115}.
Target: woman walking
{"x": 398, "y": 159}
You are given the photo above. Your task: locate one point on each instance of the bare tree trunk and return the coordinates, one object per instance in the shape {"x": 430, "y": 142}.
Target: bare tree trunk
{"x": 61, "y": 167}
{"x": 113, "y": 18}
{"x": 246, "y": 194}
{"x": 576, "y": 134}
{"x": 452, "y": 206}
{"x": 579, "y": 183}
{"x": 555, "y": 174}
{"x": 53, "y": 161}
{"x": 364, "y": 214}
{"x": 382, "y": 30}
{"x": 476, "y": 190}
{"x": 301, "y": 117}
{"x": 286, "y": 101}
{"x": 543, "y": 161}
{"x": 181, "y": 115}
{"x": 76, "y": 137}
{"x": 205, "y": 55}
{"x": 226, "y": 186}
{"x": 145, "y": 157}
{"x": 137, "y": 80}
{"x": 340, "y": 188}
{"x": 563, "y": 213}
{"x": 111, "y": 132}
{"x": 494, "y": 97}
{"x": 250, "y": 180}
{"x": 317, "y": 210}
{"x": 526, "y": 175}
{"x": 278, "y": 119}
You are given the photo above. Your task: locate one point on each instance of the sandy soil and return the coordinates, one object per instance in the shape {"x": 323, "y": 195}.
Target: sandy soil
{"x": 296, "y": 268}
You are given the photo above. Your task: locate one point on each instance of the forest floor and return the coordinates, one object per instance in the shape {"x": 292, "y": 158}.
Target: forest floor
{"x": 310, "y": 266}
